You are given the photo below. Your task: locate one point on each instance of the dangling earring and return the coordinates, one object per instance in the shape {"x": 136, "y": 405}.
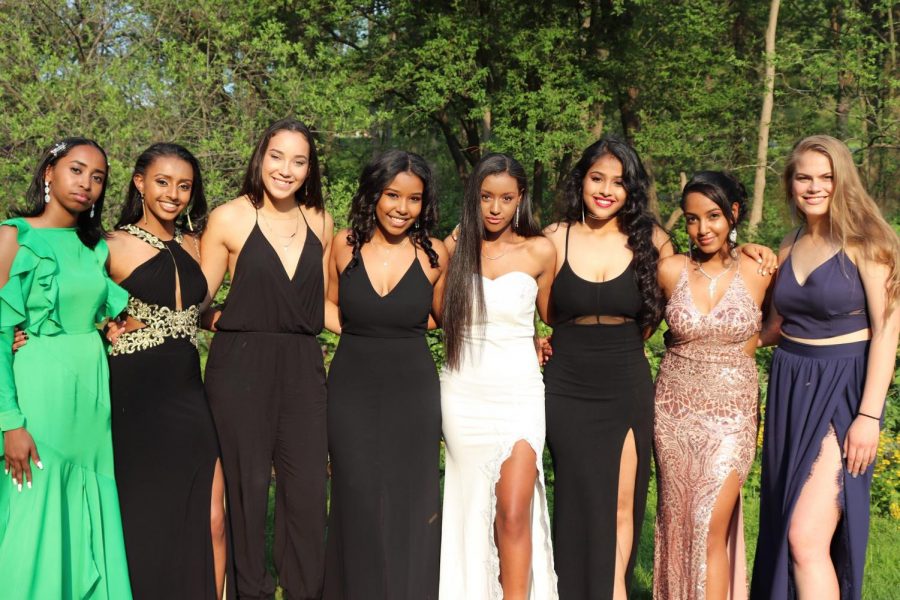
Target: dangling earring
{"x": 582, "y": 213}
{"x": 92, "y": 211}
{"x": 143, "y": 207}
{"x": 516, "y": 224}
{"x": 732, "y": 236}
{"x": 46, "y": 192}
{"x": 190, "y": 225}
{"x": 416, "y": 225}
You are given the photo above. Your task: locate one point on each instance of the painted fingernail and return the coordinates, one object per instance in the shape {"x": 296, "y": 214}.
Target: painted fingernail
{"x": 29, "y": 485}
{"x": 40, "y": 465}
{"x": 759, "y": 260}
{"x": 6, "y": 470}
{"x": 20, "y": 487}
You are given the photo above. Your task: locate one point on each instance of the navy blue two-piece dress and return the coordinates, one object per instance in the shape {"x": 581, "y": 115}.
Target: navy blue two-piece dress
{"x": 812, "y": 389}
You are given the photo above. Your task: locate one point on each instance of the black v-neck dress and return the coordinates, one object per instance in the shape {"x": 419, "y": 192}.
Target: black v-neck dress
{"x": 384, "y": 431}
{"x": 266, "y": 384}
{"x": 164, "y": 441}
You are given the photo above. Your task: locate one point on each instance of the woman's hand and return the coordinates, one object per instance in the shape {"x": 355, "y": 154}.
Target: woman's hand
{"x": 861, "y": 444}
{"x": 544, "y": 349}
{"x": 19, "y": 452}
{"x": 767, "y": 260}
{"x": 114, "y": 328}
{"x": 20, "y": 339}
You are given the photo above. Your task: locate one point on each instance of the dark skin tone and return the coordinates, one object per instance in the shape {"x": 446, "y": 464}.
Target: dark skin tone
{"x": 76, "y": 182}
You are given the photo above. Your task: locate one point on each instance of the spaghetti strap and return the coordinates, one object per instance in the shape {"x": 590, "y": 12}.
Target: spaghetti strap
{"x": 304, "y": 216}
{"x": 566, "y": 255}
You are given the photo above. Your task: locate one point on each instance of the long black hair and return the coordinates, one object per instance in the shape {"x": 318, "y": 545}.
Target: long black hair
{"x": 310, "y": 193}
{"x": 133, "y": 209}
{"x": 634, "y": 218}
{"x": 464, "y": 295}
{"x": 375, "y": 177}
{"x": 722, "y": 188}
{"x": 88, "y": 227}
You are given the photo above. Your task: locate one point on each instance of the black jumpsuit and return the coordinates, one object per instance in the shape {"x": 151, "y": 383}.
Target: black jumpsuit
{"x": 266, "y": 385}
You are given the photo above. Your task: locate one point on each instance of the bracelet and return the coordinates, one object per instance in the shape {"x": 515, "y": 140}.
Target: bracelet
{"x": 862, "y": 414}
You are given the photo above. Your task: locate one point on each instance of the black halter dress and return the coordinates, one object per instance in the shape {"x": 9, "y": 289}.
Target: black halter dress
{"x": 384, "y": 431}
{"x": 164, "y": 442}
{"x": 266, "y": 385}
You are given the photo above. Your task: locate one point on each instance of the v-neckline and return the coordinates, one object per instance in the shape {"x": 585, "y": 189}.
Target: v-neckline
{"x": 810, "y": 274}
{"x": 290, "y": 277}
{"x": 714, "y": 307}
{"x": 396, "y": 285}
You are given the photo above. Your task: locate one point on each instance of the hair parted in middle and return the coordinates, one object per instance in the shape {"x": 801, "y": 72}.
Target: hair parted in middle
{"x": 310, "y": 193}
{"x": 133, "y": 208}
{"x": 375, "y": 177}
{"x": 634, "y": 218}
{"x": 464, "y": 295}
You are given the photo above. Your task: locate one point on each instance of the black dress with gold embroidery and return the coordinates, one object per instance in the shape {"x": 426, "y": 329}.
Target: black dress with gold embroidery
{"x": 164, "y": 441}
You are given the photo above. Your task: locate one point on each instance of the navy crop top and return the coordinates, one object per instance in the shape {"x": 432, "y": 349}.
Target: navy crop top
{"x": 831, "y": 302}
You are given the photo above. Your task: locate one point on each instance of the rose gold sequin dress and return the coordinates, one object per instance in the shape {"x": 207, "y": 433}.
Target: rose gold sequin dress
{"x": 706, "y": 424}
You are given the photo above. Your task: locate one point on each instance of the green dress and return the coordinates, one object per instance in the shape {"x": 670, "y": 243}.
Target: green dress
{"x": 62, "y": 539}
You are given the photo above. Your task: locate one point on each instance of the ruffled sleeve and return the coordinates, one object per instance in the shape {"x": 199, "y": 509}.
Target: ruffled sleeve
{"x": 33, "y": 270}
{"x": 116, "y": 296}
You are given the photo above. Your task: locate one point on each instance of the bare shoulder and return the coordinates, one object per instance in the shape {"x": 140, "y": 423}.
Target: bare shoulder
{"x": 450, "y": 244}
{"x": 671, "y": 266}
{"x": 541, "y": 248}
{"x": 556, "y": 231}
{"x": 788, "y": 241}
{"x": 341, "y": 239}
{"x": 232, "y": 212}
{"x": 751, "y": 275}
{"x": 9, "y": 236}
{"x": 663, "y": 241}
{"x": 320, "y": 221}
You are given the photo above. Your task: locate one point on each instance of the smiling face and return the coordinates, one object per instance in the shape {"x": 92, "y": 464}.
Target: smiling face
{"x": 500, "y": 195}
{"x": 603, "y": 188}
{"x": 166, "y": 186}
{"x": 400, "y": 203}
{"x": 77, "y": 179}
{"x": 812, "y": 184}
{"x": 707, "y": 225}
{"x": 285, "y": 165}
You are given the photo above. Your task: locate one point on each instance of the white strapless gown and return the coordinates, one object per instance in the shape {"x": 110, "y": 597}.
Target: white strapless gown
{"x": 493, "y": 401}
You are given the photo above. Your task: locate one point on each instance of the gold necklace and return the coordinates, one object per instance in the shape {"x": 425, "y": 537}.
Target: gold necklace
{"x": 289, "y": 238}
{"x": 499, "y": 256}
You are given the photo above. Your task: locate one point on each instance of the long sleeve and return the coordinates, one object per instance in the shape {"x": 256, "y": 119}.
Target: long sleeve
{"x": 10, "y": 415}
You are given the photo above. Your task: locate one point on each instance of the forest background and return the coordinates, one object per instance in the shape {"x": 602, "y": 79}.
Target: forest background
{"x": 692, "y": 84}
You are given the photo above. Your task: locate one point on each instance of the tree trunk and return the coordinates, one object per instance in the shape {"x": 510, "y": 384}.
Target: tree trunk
{"x": 537, "y": 190}
{"x": 765, "y": 119}
{"x": 676, "y": 214}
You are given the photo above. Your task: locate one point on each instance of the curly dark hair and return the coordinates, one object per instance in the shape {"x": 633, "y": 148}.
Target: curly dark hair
{"x": 722, "y": 188}
{"x": 133, "y": 208}
{"x": 634, "y": 218}
{"x": 88, "y": 227}
{"x": 375, "y": 177}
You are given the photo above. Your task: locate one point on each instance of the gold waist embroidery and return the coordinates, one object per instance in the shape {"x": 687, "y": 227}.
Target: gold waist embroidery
{"x": 160, "y": 322}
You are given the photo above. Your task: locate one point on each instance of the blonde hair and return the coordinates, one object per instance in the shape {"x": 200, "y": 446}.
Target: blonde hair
{"x": 855, "y": 219}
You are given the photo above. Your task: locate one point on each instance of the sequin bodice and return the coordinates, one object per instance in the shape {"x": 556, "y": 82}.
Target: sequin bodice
{"x": 715, "y": 337}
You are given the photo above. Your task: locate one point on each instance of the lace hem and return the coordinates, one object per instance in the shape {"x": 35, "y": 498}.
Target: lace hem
{"x": 539, "y": 502}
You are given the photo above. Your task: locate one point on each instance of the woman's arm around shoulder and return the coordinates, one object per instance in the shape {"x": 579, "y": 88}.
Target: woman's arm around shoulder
{"x": 669, "y": 272}
{"x": 663, "y": 242}
{"x": 438, "y": 279}
{"x": 544, "y": 253}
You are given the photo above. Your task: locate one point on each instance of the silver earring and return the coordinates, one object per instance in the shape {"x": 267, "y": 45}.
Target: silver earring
{"x": 92, "y": 211}
{"x": 143, "y": 207}
{"x": 582, "y": 213}
{"x": 732, "y": 236}
{"x": 416, "y": 225}
{"x": 516, "y": 224}
{"x": 46, "y": 192}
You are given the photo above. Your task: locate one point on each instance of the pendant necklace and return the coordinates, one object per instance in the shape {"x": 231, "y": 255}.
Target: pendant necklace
{"x": 289, "y": 238}
{"x": 713, "y": 280}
